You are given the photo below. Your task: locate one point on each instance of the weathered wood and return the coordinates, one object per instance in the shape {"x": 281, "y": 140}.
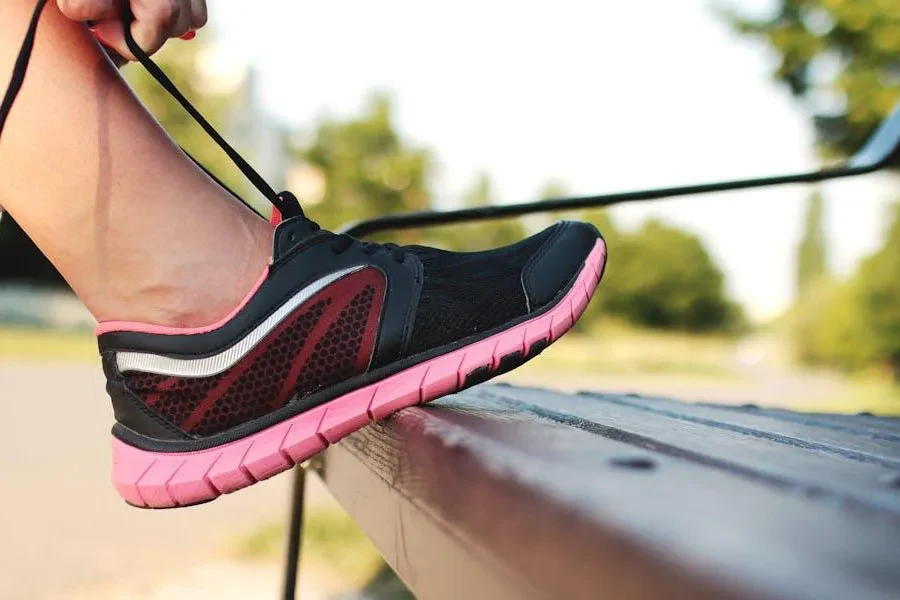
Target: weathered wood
{"x": 502, "y": 492}
{"x": 808, "y": 467}
{"x": 880, "y": 450}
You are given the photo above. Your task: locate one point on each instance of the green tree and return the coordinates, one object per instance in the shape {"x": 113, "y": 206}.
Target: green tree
{"x": 663, "y": 277}
{"x": 812, "y": 256}
{"x": 658, "y": 277}
{"x": 847, "y": 51}
{"x": 830, "y": 326}
{"x": 879, "y": 280}
{"x": 368, "y": 169}
{"x": 855, "y": 323}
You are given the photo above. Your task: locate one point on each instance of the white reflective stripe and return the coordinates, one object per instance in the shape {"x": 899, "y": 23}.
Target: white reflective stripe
{"x": 213, "y": 365}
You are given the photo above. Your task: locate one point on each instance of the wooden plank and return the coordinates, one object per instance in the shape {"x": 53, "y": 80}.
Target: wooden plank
{"x": 498, "y": 492}
{"x": 810, "y": 435}
{"x": 862, "y": 424}
{"x": 834, "y": 477}
{"x": 452, "y": 528}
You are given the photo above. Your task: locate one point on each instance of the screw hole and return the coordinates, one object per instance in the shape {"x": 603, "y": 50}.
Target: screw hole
{"x": 891, "y": 480}
{"x": 636, "y": 463}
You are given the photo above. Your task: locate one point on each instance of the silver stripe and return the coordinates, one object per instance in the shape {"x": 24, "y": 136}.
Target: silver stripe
{"x": 213, "y": 365}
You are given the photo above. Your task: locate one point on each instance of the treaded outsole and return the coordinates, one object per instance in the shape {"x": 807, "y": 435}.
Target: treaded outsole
{"x": 166, "y": 480}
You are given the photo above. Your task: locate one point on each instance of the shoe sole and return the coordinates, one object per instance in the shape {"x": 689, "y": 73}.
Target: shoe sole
{"x": 149, "y": 479}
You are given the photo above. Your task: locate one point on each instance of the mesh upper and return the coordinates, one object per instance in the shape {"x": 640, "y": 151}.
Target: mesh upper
{"x": 326, "y": 340}
{"x": 468, "y": 293}
{"x": 331, "y": 337}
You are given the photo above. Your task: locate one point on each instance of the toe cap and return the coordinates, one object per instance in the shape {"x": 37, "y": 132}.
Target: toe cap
{"x": 557, "y": 261}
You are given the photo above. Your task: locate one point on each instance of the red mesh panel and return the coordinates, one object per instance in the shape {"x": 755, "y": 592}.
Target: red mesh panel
{"x": 327, "y": 339}
{"x": 336, "y": 354}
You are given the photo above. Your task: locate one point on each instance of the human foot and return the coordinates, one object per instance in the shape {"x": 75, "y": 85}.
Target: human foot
{"x": 338, "y": 333}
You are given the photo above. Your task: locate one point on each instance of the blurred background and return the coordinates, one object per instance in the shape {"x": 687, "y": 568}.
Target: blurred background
{"x": 785, "y": 297}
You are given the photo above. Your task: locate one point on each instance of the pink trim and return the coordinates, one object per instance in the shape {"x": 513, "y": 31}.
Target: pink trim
{"x": 275, "y": 219}
{"x": 109, "y": 326}
{"x": 165, "y": 480}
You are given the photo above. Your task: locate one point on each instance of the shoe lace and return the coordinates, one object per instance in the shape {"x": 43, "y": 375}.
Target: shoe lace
{"x": 285, "y": 202}
{"x": 343, "y": 242}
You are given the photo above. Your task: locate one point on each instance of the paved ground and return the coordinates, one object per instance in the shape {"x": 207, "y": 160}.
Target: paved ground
{"x": 63, "y": 526}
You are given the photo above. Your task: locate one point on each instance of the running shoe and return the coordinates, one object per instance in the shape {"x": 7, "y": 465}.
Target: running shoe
{"x": 336, "y": 334}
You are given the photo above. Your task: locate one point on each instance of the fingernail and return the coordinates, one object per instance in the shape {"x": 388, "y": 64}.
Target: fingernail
{"x": 189, "y": 35}
{"x": 99, "y": 37}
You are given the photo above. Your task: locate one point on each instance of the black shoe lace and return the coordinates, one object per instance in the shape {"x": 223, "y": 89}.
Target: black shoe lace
{"x": 285, "y": 202}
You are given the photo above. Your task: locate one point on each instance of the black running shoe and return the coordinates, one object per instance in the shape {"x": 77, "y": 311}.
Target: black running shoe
{"x": 336, "y": 334}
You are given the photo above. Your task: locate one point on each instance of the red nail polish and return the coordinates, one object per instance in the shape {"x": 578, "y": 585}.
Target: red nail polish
{"x": 99, "y": 37}
{"x": 189, "y": 35}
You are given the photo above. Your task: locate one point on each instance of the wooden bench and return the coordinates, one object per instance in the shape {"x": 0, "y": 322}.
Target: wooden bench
{"x": 506, "y": 492}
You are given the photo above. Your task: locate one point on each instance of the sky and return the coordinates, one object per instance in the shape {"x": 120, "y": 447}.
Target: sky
{"x": 602, "y": 96}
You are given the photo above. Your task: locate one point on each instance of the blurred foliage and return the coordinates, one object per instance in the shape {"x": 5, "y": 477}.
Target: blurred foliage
{"x": 181, "y": 63}
{"x": 879, "y": 283}
{"x": 829, "y": 327}
{"x": 333, "y": 545}
{"x": 33, "y": 344}
{"x": 368, "y": 170}
{"x": 812, "y": 254}
{"x": 843, "y": 58}
{"x": 855, "y": 324}
{"x": 659, "y": 277}
{"x": 843, "y": 55}
{"x": 662, "y": 277}
{"x": 618, "y": 348}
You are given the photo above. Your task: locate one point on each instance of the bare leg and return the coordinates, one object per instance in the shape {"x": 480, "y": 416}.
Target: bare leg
{"x": 137, "y": 230}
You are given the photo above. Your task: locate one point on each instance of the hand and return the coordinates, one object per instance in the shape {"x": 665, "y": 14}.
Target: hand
{"x": 155, "y": 21}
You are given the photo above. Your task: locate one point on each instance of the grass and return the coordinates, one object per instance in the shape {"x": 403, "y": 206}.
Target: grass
{"x": 613, "y": 348}
{"x": 332, "y": 543}
{"x": 39, "y": 344}
{"x": 878, "y": 396}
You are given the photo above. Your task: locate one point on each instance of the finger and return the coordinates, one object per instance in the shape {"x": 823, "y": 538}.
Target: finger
{"x": 88, "y": 10}
{"x": 199, "y": 15}
{"x": 154, "y": 22}
{"x": 183, "y": 24}
{"x": 110, "y": 33}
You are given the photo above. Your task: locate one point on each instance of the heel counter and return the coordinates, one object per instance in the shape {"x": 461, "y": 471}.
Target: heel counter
{"x": 130, "y": 411}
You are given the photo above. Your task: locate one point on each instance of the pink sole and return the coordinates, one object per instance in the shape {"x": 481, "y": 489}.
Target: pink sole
{"x": 166, "y": 480}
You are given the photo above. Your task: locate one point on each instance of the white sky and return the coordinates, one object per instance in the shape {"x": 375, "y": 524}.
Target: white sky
{"x": 604, "y": 96}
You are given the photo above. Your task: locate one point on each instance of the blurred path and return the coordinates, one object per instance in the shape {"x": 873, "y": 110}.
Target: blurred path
{"x": 63, "y": 526}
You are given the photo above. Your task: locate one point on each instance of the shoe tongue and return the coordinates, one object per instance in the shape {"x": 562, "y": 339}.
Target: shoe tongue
{"x": 289, "y": 233}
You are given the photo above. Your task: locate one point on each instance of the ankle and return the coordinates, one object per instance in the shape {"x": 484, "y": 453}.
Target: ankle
{"x": 196, "y": 286}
